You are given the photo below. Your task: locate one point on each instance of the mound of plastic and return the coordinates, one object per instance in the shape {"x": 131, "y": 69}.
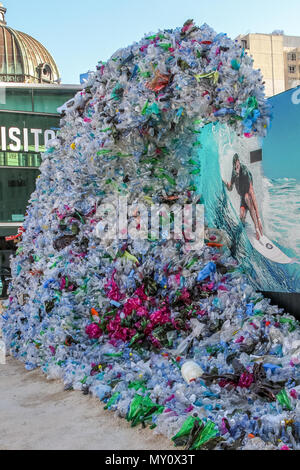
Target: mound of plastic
{"x": 118, "y": 318}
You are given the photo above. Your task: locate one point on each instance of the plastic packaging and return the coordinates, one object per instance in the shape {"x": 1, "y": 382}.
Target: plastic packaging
{"x": 191, "y": 371}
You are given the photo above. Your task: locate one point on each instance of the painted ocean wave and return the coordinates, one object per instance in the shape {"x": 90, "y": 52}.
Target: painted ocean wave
{"x": 279, "y": 207}
{"x": 281, "y": 212}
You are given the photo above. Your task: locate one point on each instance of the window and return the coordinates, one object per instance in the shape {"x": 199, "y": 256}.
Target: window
{"x": 47, "y": 101}
{"x": 16, "y": 186}
{"x": 16, "y": 99}
{"x": 17, "y": 159}
{"x": 292, "y": 56}
{"x": 292, "y": 69}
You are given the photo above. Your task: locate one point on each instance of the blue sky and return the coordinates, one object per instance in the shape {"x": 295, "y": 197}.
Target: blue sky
{"x": 80, "y": 33}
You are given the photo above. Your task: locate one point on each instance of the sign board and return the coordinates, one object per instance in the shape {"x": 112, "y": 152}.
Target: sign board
{"x": 26, "y": 133}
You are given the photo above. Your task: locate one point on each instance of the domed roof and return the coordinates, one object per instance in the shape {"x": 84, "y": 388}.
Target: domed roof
{"x": 23, "y": 59}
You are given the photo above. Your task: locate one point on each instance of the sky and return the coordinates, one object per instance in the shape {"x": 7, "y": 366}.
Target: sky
{"x": 80, "y": 33}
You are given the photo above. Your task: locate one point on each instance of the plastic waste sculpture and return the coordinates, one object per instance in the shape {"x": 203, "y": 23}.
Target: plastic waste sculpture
{"x": 105, "y": 315}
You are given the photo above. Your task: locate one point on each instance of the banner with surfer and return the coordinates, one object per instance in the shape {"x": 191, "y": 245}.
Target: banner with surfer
{"x": 237, "y": 197}
{"x": 242, "y": 181}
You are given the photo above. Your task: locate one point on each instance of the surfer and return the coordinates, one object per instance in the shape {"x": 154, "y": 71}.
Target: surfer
{"x": 242, "y": 179}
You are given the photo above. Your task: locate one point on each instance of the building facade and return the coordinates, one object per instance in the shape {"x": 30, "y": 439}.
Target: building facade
{"x": 278, "y": 58}
{"x": 28, "y": 120}
{"x": 291, "y": 46}
{"x": 30, "y": 93}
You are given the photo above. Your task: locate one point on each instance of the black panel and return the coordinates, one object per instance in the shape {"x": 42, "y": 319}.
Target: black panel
{"x": 256, "y": 156}
{"x": 290, "y": 302}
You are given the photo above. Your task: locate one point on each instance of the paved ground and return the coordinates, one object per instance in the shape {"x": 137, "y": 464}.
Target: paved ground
{"x": 38, "y": 414}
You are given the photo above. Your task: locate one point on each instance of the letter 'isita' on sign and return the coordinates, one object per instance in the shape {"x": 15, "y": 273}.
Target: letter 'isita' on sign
{"x": 14, "y": 139}
{"x": 12, "y": 133}
{"x": 25, "y": 136}
{"x": 36, "y": 133}
{"x": 48, "y": 135}
{"x": 3, "y": 139}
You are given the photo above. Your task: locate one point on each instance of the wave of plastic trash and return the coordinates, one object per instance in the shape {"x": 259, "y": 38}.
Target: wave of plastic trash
{"x": 163, "y": 334}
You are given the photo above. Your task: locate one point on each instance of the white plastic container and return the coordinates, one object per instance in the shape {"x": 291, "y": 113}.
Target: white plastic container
{"x": 191, "y": 371}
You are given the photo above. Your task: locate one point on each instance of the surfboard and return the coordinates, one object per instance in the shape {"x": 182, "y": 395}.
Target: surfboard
{"x": 267, "y": 248}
